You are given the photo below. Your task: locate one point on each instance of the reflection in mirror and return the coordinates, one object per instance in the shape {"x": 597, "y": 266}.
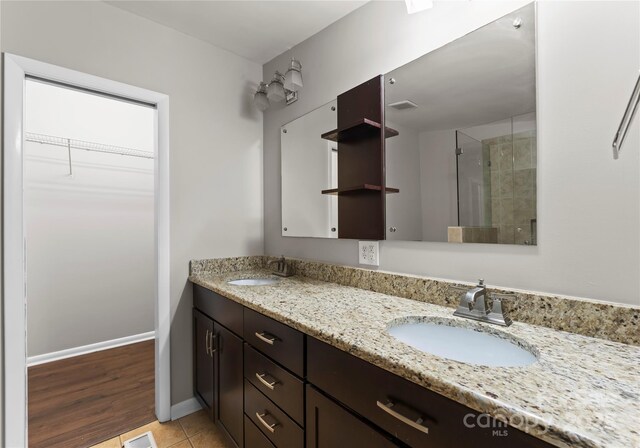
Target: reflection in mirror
{"x": 465, "y": 157}
{"x": 309, "y": 165}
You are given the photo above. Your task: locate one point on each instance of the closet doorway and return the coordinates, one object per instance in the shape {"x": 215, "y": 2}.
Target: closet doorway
{"x": 89, "y": 219}
{"x": 86, "y": 256}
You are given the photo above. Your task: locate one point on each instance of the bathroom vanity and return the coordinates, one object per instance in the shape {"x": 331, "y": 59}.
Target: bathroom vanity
{"x": 269, "y": 385}
{"x": 303, "y": 362}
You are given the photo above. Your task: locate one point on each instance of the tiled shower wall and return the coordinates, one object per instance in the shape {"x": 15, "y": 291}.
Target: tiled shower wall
{"x": 512, "y": 168}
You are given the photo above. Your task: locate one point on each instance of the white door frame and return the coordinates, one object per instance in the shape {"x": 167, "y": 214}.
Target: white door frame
{"x": 16, "y": 70}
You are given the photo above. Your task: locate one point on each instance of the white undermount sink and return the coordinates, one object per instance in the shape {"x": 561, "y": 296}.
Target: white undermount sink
{"x": 254, "y": 281}
{"x": 462, "y": 344}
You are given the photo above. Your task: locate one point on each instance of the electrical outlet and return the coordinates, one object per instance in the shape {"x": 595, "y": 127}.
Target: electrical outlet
{"x": 369, "y": 253}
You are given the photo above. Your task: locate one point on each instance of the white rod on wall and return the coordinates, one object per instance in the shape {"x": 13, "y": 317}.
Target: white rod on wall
{"x": 69, "y": 151}
{"x": 86, "y": 146}
{"x": 629, "y": 113}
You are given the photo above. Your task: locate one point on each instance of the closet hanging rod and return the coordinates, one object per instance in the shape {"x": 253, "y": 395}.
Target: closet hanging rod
{"x": 629, "y": 112}
{"x": 86, "y": 146}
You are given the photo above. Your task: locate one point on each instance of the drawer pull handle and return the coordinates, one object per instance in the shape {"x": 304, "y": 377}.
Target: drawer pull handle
{"x": 266, "y": 337}
{"x": 206, "y": 343}
{"x": 270, "y": 384}
{"x": 401, "y": 412}
{"x": 271, "y": 427}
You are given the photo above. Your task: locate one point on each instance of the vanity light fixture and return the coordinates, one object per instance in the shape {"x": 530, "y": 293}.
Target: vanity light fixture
{"x": 275, "y": 91}
{"x": 418, "y": 5}
{"x": 260, "y": 98}
{"x": 282, "y": 88}
{"x": 293, "y": 77}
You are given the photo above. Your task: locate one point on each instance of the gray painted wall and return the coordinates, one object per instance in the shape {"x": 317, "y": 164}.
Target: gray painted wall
{"x": 216, "y": 135}
{"x": 402, "y": 155}
{"x": 588, "y": 204}
{"x": 439, "y": 191}
{"x": 90, "y": 242}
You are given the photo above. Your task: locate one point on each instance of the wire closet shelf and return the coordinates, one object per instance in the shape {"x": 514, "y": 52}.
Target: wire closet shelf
{"x": 86, "y": 146}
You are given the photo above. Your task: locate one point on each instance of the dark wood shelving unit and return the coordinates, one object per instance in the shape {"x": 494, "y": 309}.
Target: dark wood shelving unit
{"x": 359, "y": 189}
{"x": 359, "y": 129}
{"x": 361, "y": 136}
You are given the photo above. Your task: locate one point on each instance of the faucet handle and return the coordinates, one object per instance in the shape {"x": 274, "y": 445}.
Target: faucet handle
{"x": 496, "y": 306}
{"x": 481, "y": 283}
{"x": 497, "y": 312}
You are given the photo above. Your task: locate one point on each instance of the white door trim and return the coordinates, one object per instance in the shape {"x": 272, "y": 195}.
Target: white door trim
{"x": 16, "y": 69}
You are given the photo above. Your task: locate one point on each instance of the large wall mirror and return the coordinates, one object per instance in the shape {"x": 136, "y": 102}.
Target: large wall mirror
{"x": 464, "y": 158}
{"x": 309, "y": 165}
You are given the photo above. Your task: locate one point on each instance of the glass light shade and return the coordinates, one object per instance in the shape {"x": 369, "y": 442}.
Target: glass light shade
{"x": 275, "y": 91}
{"x": 260, "y": 99}
{"x": 293, "y": 78}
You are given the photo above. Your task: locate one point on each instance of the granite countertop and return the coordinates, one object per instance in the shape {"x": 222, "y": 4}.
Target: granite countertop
{"x": 582, "y": 392}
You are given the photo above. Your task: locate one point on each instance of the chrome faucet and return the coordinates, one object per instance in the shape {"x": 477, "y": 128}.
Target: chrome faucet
{"x": 473, "y": 305}
{"x": 283, "y": 269}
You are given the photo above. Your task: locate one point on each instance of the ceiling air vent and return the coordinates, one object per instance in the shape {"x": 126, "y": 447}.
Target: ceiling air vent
{"x": 402, "y": 105}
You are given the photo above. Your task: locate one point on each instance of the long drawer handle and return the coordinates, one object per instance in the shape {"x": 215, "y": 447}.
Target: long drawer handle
{"x": 270, "y": 384}
{"x": 206, "y": 343}
{"x": 270, "y": 427}
{"x": 266, "y": 337}
{"x": 416, "y": 421}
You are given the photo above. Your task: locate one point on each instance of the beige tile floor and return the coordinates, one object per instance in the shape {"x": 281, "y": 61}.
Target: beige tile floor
{"x": 193, "y": 431}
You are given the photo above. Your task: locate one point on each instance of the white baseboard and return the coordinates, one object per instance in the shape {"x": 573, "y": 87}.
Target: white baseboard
{"x": 85, "y": 349}
{"x": 185, "y": 407}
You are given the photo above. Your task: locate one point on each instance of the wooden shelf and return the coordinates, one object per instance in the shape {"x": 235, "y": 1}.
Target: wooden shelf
{"x": 356, "y": 130}
{"x": 359, "y": 189}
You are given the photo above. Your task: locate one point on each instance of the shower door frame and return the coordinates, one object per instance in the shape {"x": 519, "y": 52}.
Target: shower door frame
{"x": 16, "y": 70}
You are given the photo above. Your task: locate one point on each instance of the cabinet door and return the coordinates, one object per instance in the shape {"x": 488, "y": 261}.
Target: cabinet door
{"x": 329, "y": 425}
{"x": 204, "y": 372}
{"x": 230, "y": 383}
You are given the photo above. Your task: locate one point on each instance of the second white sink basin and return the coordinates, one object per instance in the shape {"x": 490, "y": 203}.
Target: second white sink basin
{"x": 463, "y": 344}
{"x": 254, "y": 281}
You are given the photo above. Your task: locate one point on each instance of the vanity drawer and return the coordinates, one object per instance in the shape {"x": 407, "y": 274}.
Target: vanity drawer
{"x": 219, "y": 308}
{"x": 281, "y": 343}
{"x": 253, "y": 437}
{"x": 281, "y": 430}
{"x": 288, "y": 390}
{"x": 369, "y": 390}
{"x": 329, "y": 425}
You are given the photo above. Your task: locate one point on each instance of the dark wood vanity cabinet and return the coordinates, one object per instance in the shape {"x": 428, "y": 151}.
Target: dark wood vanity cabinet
{"x": 271, "y": 386}
{"x": 248, "y": 373}
{"x": 203, "y": 359}
{"x": 410, "y": 413}
{"x": 229, "y": 385}
{"x": 218, "y": 360}
{"x": 279, "y": 342}
{"x": 331, "y": 425}
{"x": 274, "y": 366}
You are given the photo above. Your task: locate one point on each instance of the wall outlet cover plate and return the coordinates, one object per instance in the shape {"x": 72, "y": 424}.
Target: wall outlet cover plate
{"x": 369, "y": 253}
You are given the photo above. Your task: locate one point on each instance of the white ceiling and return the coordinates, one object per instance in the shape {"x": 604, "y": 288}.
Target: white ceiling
{"x": 256, "y": 30}
{"x": 485, "y": 76}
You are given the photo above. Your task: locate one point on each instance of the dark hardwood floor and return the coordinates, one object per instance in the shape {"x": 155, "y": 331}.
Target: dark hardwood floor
{"x": 81, "y": 401}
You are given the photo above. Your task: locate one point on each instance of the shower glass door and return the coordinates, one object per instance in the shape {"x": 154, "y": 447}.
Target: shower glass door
{"x": 473, "y": 178}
